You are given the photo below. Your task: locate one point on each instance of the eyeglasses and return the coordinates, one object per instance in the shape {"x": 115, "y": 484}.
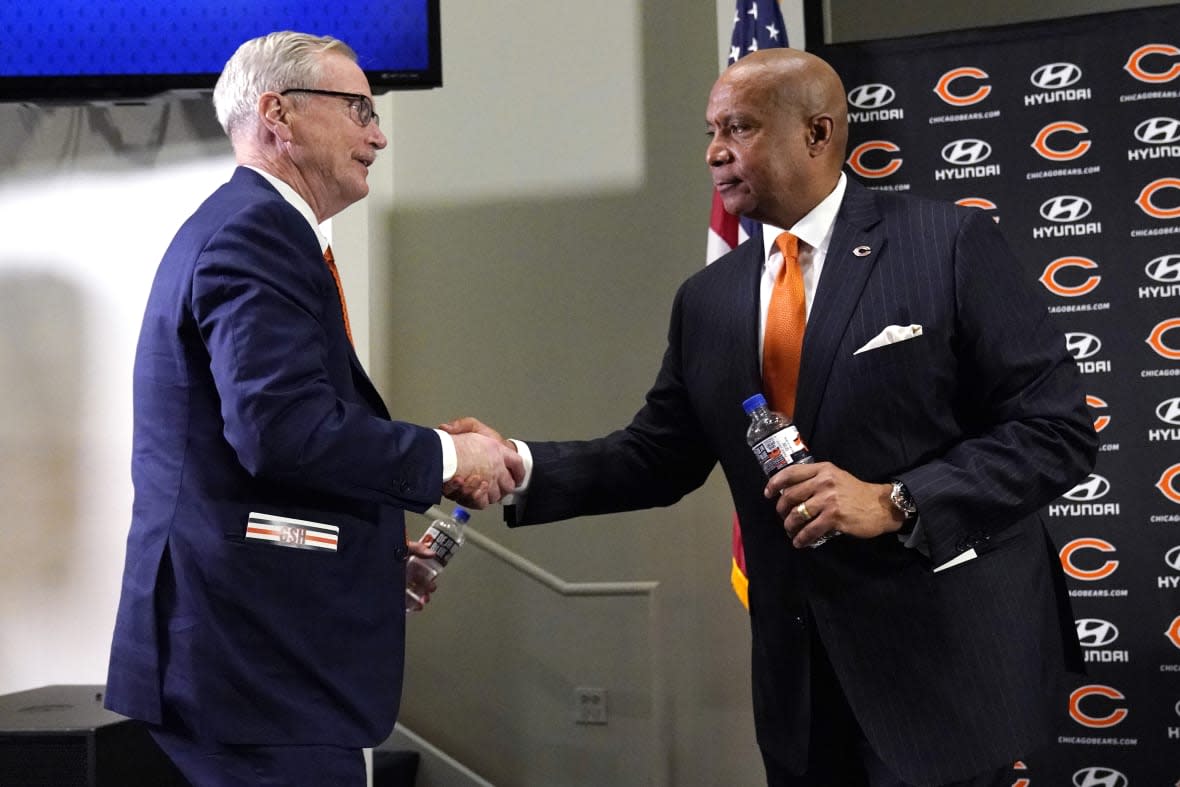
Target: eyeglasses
{"x": 361, "y": 106}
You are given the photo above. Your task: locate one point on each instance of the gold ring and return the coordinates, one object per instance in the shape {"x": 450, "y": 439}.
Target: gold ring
{"x": 802, "y": 511}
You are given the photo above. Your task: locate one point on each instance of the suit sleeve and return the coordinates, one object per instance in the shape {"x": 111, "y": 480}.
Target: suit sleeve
{"x": 1027, "y": 434}
{"x": 259, "y": 301}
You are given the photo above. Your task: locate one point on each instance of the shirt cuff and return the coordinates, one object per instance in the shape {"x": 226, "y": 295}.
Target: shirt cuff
{"x": 450, "y": 458}
{"x": 526, "y": 456}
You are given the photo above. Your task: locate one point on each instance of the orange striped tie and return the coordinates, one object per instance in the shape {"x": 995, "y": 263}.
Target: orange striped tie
{"x": 786, "y": 318}
{"x": 328, "y": 258}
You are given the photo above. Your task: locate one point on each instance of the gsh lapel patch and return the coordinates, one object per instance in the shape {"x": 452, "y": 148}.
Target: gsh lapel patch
{"x": 297, "y": 533}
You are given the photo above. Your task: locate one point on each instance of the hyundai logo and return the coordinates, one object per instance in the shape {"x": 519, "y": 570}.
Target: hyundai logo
{"x": 1065, "y": 208}
{"x": 1164, "y": 269}
{"x": 871, "y": 96}
{"x": 1082, "y": 345}
{"x": 1052, "y": 76}
{"x": 1095, "y": 633}
{"x": 1092, "y": 488}
{"x": 966, "y": 151}
{"x": 1172, "y": 558}
{"x": 1099, "y": 777}
{"x": 1158, "y": 131}
{"x": 1168, "y": 411}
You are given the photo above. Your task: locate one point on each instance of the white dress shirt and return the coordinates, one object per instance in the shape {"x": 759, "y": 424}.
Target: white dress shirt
{"x": 814, "y": 232}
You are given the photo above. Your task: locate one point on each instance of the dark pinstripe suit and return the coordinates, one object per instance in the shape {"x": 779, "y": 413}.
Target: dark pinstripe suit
{"x": 982, "y": 417}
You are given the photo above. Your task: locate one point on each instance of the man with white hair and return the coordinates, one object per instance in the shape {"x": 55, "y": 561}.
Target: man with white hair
{"x": 260, "y": 632}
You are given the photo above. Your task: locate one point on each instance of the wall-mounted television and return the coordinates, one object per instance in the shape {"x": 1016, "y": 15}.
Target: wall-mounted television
{"x": 129, "y": 50}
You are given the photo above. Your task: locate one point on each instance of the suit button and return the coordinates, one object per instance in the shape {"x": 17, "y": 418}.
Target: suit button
{"x": 401, "y": 553}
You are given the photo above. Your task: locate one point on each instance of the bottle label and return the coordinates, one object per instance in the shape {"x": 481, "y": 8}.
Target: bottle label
{"x": 784, "y": 447}
{"x": 443, "y": 545}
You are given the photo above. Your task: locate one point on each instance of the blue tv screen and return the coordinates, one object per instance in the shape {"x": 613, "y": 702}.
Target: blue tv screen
{"x": 86, "y": 50}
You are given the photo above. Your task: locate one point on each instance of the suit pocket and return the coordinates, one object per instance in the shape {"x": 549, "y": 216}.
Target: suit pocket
{"x": 908, "y": 353}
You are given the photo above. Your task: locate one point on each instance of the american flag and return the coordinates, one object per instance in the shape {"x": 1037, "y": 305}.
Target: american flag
{"x": 757, "y": 24}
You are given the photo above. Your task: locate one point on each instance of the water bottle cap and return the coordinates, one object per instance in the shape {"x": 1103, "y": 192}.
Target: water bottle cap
{"x": 753, "y": 403}
{"x": 460, "y": 515}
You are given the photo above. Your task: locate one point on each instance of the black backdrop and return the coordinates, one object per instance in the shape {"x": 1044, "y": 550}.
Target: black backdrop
{"x": 1068, "y": 133}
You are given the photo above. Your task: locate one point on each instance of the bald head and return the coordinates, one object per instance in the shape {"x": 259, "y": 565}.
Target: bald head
{"x": 779, "y": 122}
{"x": 797, "y": 81}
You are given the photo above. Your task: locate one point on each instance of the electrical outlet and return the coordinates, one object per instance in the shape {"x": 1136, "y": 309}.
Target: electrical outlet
{"x": 589, "y": 706}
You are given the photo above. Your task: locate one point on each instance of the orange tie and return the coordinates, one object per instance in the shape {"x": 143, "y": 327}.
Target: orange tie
{"x": 786, "y": 318}
{"x": 328, "y": 258}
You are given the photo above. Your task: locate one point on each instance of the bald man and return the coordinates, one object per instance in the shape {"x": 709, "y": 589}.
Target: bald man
{"x": 924, "y": 645}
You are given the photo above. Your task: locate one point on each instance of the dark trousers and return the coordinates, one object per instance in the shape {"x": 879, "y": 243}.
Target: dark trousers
{"x": 839, "y": 754}
{"x": 213, "y": 764}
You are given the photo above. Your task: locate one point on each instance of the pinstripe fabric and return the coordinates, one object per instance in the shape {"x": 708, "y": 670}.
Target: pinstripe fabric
{"x": 949, "y": 674}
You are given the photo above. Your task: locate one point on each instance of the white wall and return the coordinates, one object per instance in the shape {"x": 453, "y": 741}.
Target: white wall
{"x": 79, "y": 250}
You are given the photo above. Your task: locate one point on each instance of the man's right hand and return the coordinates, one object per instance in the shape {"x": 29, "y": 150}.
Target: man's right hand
{"x": 488, "y": 468}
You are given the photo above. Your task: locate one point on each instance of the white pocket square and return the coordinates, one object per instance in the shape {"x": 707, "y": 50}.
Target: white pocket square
{"x": 891, "y": 335}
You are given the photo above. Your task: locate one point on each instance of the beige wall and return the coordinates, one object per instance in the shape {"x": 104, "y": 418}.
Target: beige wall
{"x": 540, "y": 304}
{"x": 89, "y": 198}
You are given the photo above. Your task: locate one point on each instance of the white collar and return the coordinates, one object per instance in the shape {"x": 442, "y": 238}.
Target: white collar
{"x": 297, "y": 202}
{"x": 814, "y": 229}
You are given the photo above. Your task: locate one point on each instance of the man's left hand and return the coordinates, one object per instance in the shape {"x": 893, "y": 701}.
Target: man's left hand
{"x": 816, "y": 499}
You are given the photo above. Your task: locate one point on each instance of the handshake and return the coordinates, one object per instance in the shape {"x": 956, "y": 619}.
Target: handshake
{"x": 489, "y": 468}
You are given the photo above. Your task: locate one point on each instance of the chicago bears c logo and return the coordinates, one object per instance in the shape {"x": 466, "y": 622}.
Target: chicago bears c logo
{"x": 856, "y": 160}
{"x": 1167, "y": 483}
{"x": 1136, "y": 67}
{"x": 1156, "y": 339}
{"x": 1146, "y": 199}
{"x": 1102, "y": 421}
{"x": 1094, "y": 690}
{"x": 1069, "y": 553}
{"x": 943, "y": 87}
{"x": 1049, "y": 277}
{"x": 1041, "y": 141}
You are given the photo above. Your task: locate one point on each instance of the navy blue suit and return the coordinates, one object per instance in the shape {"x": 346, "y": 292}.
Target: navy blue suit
{"x": 249, "y": 399}
{"x": 949, "y": 674}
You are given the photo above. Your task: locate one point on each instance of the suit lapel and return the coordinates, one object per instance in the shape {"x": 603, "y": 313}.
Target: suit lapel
{"x": 747, "y": 306}
{"x": 846, "y": 269}
{"x": 744, "y": 310}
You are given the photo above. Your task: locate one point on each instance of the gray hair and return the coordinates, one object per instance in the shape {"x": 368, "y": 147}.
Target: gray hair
{"x": 272, "y": 62}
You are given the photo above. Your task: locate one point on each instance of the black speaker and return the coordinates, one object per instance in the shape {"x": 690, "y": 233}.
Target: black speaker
{"x": 61, "y": 736}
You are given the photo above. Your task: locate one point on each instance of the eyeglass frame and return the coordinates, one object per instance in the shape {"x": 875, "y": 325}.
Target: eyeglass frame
{"x": 354, "y": 99}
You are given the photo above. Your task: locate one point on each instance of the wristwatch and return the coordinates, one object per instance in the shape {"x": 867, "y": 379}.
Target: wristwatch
{"x": 900, "y": 497}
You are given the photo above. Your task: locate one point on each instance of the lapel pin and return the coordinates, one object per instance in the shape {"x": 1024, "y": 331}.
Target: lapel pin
{"x": 862, "y": 251}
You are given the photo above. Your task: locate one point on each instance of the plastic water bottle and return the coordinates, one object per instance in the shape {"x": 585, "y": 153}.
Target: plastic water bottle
{"x": 776, "y": 442}
{"x": 773, "y": 437}
{"x": 444, "y": 536}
